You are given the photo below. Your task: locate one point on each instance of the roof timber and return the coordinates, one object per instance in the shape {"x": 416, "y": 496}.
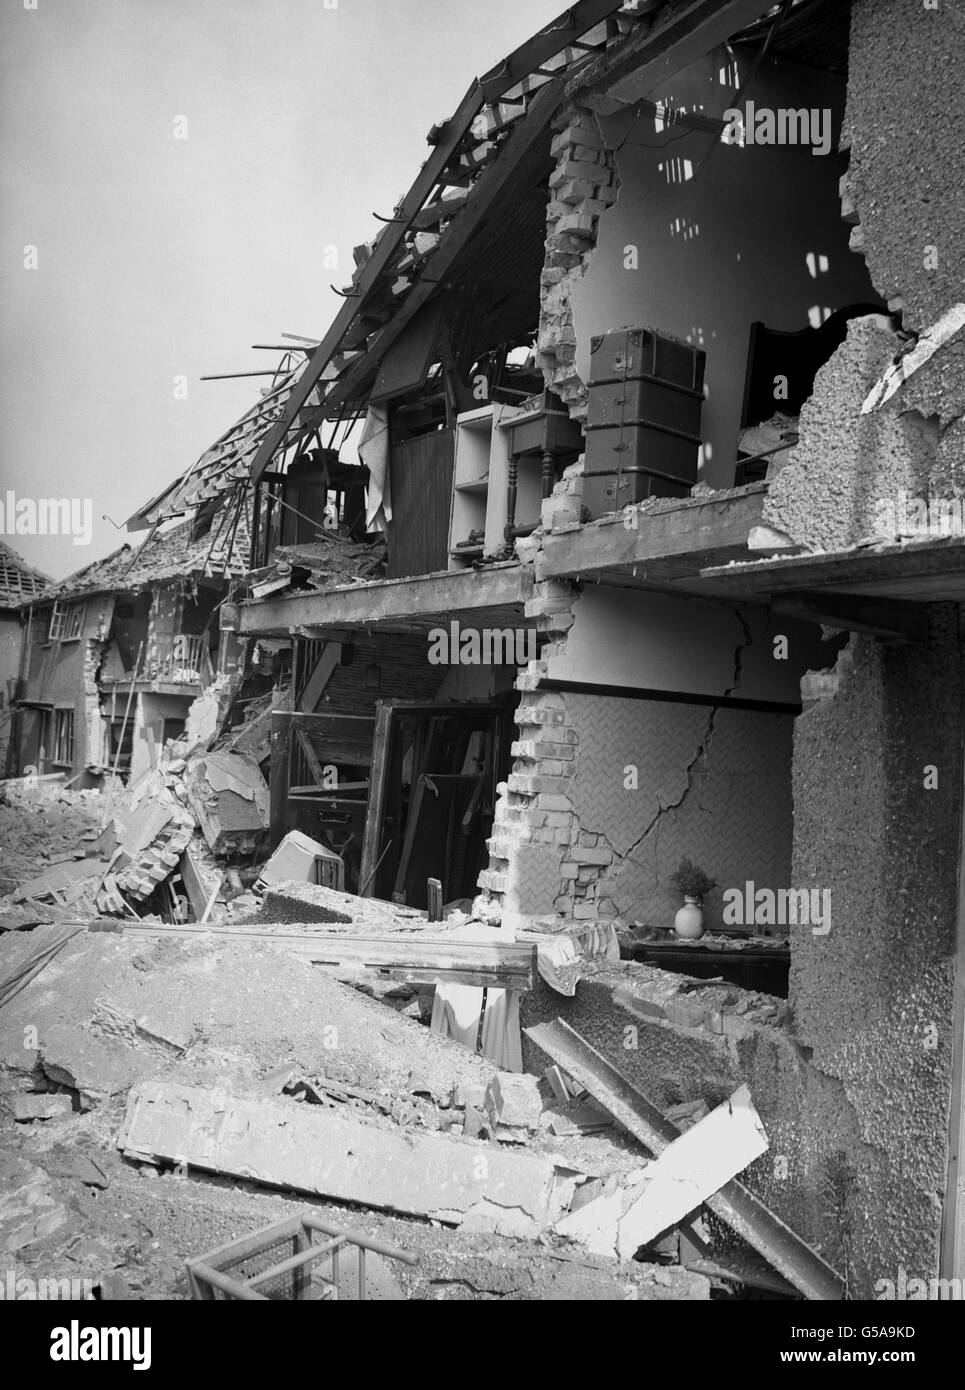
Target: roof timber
{"x": 554, "y": 39}
{"x": 676, "y": 36}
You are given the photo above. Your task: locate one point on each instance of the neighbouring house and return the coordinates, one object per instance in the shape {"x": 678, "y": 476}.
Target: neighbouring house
{"x": 658, "y": 373}
{"x": 117, "y": 653}
{"x": 20, "y": 584}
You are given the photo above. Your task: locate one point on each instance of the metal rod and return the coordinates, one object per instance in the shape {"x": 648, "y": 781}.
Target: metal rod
{"x": 304, "y": 1257}
{"x": 231, "y": 1287}
{"x": 230, "y": 376}
{"x": 378, "y": 1247}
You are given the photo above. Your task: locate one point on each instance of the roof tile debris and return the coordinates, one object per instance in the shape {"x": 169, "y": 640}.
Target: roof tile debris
{"x": 19, "y": 582}
{"x": 166, "y": 554}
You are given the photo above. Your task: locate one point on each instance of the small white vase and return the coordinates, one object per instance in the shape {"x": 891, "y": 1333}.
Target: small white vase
{"x": 689, "y": 920}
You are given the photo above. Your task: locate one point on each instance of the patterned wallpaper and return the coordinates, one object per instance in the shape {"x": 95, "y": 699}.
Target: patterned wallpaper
{"x": 714, "y": 784}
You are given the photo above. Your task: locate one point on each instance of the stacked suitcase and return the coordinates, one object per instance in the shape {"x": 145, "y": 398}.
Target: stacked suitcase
{"x": 643, "y": 419}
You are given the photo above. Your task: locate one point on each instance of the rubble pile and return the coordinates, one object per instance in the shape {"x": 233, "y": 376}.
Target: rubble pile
{"x": 243, "y": 1063}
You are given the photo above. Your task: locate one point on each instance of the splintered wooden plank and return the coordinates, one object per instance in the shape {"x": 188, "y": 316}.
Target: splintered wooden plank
{"x": 417, "y": 959}
{"x": 314, "y": 766}
{"x": 692, "y": 1169}
{"x": 734, "y": 1204}
{"x": 375, "y": 809}
{"x": 320, "y": 676}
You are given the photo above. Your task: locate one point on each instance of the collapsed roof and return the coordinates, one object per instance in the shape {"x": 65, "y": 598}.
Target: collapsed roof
{"x": 177, "y": 551}
{"x": 19, "y": 582}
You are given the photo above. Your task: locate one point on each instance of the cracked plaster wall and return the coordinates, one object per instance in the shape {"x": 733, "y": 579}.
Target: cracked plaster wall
{"x": 570, "y": 837}
{"x": 713, "y": 785}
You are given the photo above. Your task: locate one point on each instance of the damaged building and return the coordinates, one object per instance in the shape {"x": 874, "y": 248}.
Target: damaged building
{"x": 20, "y": 584}
{"x": 117, "y": 653}
{"x": 603, "y": 561}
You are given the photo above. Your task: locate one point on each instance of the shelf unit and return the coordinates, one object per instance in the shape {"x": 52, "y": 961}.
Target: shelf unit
{"x": 480, "y": 481}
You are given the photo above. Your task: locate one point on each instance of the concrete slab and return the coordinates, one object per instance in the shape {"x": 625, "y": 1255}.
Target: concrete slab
{"x": 314, "y": 1150}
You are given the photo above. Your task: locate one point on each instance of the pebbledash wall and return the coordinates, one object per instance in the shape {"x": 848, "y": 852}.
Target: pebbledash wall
{"x": 609, "y": 792}
{"x": 873, "y": 998}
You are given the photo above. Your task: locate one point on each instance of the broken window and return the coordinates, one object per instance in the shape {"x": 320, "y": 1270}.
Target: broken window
{"x": 63, "y": 741}
{"x": 66, "y": 621}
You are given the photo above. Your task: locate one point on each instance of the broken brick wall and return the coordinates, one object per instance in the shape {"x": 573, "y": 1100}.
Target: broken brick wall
{"x": 708, "y": 237}
{"x": 582, "y": 186}
{"x": 609, "y": 792}
{"x": 903, "y": 192}
{"x": 878, "y": 803}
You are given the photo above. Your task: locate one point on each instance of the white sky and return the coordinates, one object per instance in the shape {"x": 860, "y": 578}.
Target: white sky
{"x": 160, "y": 256}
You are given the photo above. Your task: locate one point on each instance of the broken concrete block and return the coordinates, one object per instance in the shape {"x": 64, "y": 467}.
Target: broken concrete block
{"x": 510, "y": 1134}
{"x": 513, "y": 1101}
{"x": 465, "y": 1093}
{"x": 594, "y": 1224}
{"x": 230, "y": 799}
{"x": 70, "y": 1163}
{"x": 317, "y": 1150}
{"x": 40, "y": 1107}
{"x": 96, "y": 1070}
{"x": 19, "y": 1068}
{"x": 474, "y": 1123}
{"x": 28, "y": 1208}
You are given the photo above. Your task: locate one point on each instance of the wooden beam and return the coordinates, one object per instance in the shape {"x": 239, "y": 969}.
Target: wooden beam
{"x": 677, "y": 36}
{"x": 734, "y": 1204}
{"x": 416, "y": 959}
{"x": 320, "y": 676}
{"x": 281, "y": 736}
{"x": 932, "y": 570}
{"x": 559, "y": 34}
{"x": 314, "y": 766}
{"x": 482, "y": 198}
{"x": 891, "y": 620}
{"x": 375, "y": 810}
{"x": 391, "y": 239}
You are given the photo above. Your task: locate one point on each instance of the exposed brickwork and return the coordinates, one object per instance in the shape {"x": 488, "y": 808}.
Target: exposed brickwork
{"x": 542, "y": 862}
{"x": 582, "y": 186}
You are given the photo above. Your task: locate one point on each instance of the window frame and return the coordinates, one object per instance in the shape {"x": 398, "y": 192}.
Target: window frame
{"x": 63, "y": 736}
{"x": 66, "y": 621}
